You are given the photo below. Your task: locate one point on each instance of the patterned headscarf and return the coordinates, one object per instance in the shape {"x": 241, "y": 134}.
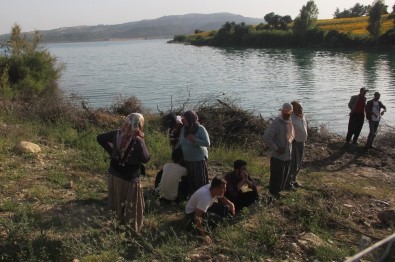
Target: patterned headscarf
{"x": 193, "y": 123}
{"x": 132, "y": 127}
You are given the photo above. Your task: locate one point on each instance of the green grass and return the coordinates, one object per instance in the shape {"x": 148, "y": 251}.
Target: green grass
{"x": 54, "y": 204}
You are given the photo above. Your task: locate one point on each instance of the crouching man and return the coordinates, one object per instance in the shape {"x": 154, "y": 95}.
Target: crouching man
{"x": 205, "y": 200}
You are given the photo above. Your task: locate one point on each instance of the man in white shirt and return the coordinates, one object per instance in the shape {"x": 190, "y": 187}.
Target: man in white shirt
{"x": 298, "y": 144}
{"x": 205, "y": 200}
{"x": 373, "y": 114}
{"x": 172, "y": 187}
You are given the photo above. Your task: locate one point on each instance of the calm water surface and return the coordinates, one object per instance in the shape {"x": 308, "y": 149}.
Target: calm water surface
{"x": 162, "y": 74}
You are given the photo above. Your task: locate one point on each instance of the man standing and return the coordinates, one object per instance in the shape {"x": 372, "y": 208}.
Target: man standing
{"x": 300, "y": 126}
{"x": 373, "y": 114}
{"x": 279, "y": 137}
{"x": 357, "y": 116}
{"x": 204, "y": 200}
{"x": 235, "y": 182}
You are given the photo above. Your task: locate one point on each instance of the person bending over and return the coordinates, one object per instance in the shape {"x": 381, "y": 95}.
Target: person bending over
{"x": 204, "y": 200}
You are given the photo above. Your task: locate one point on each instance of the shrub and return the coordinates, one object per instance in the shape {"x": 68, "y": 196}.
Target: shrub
{"x": 26, "y": 70}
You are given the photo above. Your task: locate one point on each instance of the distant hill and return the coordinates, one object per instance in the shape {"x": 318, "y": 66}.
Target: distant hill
{"x": 163, "y": 27}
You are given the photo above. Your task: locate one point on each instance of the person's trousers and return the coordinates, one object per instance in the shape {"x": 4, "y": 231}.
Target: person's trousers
{"x": 279, "y": 171}
{"x": 296, "y": 161}
{"x": 355, "y": 125}
{"x": 373, "y": 126}
{"x": 244, "y": 199}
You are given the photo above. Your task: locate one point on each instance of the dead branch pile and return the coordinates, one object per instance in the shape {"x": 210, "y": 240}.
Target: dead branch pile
{"x": 229, "y": 125}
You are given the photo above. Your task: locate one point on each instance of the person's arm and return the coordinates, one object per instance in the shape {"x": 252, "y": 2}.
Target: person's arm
{"x": 226, "y": 201}
{"x": 144, "y": 156}
{"x": 268, "y": 137}
{"x": 350, "y": 103}
{"x": 383, "y": 107}
{"x": 198, "y": 218}
{"x": 247, "y": 180}
{"x": 106, "y": 140}
{"x": 201, "y": 138}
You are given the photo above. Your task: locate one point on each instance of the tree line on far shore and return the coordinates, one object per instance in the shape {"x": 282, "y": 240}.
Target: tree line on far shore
{"x": 303, "y": 31}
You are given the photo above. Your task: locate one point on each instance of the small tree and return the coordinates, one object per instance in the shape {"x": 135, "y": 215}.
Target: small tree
{"x": 307, "y": 18}
{"x": 25, "y": 68}
{"x": 375, "y": 19}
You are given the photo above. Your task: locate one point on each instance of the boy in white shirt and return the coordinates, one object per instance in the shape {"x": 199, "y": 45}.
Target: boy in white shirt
{"x": 205, "y": 200}
{"x": 173, "y": 185}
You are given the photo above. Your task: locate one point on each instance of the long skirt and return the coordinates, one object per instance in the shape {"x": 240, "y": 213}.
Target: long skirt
{"x": 197, "y": 174}
{"x": 126, "y": 199}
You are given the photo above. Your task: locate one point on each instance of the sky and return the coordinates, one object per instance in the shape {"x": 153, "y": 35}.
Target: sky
{"x": 51, "y": 14}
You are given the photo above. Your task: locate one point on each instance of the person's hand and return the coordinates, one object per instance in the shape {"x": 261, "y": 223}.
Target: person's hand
{"x": 207, "y": 240}
{"x": 232, "y": 209}
{"x": 191, "y": 138}
{"x": 382, "y": 113}
{"x": 280, "y": 151}
{"x": 243, "y": 175}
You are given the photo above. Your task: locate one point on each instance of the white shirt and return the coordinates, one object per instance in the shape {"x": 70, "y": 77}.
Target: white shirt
{"x": 171, "y": 176}
{"x": 376, "y": 111}
{"x": 201, "y": 199}
{"x": 300, "y": 127}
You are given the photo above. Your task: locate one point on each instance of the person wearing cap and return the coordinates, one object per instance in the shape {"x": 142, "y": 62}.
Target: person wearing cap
{"x": 298, "y": 144}
{"x": 373, "y": 114}
{"x": 279, "y": 137}
{"x": 357, "y": 115}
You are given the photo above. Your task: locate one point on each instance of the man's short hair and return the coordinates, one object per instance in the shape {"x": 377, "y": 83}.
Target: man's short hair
{"x": 239, "y": 163}
{"x": 217, "y": 181}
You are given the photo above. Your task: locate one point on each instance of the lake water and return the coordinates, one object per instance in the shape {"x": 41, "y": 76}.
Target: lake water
{"x": 163, "y": 75}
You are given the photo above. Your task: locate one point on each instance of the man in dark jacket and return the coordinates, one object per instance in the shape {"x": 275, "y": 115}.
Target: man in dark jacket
{"x": 373, "y": 114}
{"x": 357, "y": 116}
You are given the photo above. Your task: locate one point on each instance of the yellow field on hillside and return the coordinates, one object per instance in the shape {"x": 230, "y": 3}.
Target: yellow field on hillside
{"x": 355, "y": 25}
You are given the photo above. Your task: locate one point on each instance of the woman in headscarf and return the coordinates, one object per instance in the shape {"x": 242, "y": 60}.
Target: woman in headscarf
{"x": 128, "y": 151}
{"x": 194, "y": 141}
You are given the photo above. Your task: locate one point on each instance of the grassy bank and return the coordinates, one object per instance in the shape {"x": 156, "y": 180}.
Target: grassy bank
{"x": 53, "y": 204}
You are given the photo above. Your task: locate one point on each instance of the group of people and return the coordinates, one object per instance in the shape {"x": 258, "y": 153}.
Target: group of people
{"x": 286, "y": 137}
{"x": 359, "y": 109}
{"x": 187, "y": 176}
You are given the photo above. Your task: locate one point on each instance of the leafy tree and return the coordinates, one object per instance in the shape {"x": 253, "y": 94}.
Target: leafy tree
{"x": 276, "y": 22}
{"x": 375, "y": 19}
{"x": 356, "y": 11}
{"x": 307, "y": 18}
{"x": 25, "y": 68}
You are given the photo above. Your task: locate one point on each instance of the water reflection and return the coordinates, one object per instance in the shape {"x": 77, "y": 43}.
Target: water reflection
{"x": 260, "y": 79}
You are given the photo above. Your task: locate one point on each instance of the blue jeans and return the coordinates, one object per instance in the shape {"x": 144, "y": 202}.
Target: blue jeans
{"x": 373, "y": 126}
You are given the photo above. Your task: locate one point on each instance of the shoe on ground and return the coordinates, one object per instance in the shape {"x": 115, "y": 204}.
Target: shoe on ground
{"x": 355, "y": 143}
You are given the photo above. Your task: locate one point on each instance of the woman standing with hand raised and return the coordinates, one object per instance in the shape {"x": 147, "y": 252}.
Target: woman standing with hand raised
{"x": 194, "y": 141}
{"x": 128, "y": 151}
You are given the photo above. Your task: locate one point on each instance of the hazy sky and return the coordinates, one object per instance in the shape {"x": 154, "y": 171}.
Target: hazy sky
{"x": 51, "y": 14}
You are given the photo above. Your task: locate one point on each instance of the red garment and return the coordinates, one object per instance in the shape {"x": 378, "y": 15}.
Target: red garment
{"x": 360, "y": 107}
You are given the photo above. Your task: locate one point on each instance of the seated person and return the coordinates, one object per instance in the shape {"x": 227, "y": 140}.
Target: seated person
{"x": 172, "y": 183}
{"x": 204, "y": 200}
{"x": 235, "y": 181}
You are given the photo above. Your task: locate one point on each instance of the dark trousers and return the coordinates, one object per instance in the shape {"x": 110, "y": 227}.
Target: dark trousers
{"x": 296, "y": 162}
{"x": 219, "y": 209}
{"x": 373, "y": 126}
{"x": 355, "y": 125}
{"x": 243, "y": 199}
{"x": 279, "y": 171}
